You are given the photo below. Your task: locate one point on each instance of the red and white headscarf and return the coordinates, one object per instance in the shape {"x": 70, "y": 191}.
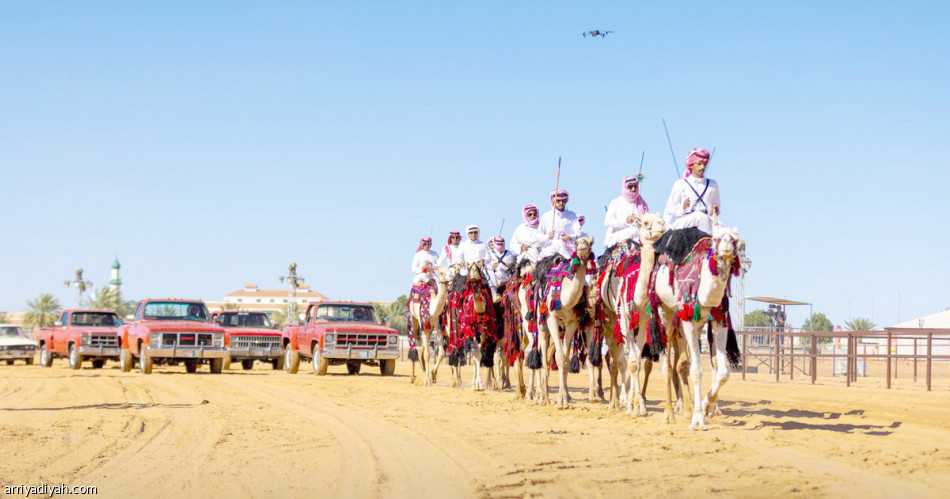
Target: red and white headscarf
{"x": 696, "y": 155}
{"x": 497, "y": 243}
{"x": 422, "y": 241}
{"x": 447, "y": 249}
{"x": 559, "y": 194}
{"x": 524, "y": 216}
{"x": 634, "y": 196}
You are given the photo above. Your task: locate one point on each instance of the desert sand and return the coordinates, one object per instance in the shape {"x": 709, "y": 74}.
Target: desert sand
{"x": 266, "y": 433}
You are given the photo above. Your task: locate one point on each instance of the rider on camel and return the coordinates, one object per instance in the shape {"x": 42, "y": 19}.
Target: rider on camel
{"x": 451, "y": 255}
{"x": 527, "y": 240}
{"x": 423, "y": 262}
{"x": 559, "y": 226}
{"x": 694, "y": 198}
{"x": 501, "y": 262}
{"x": 623, "y": 213}
{"x": 472, "y": 250}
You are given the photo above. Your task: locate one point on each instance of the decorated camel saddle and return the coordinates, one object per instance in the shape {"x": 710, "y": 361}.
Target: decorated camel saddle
{"x": 549, "y": 276}
{"x": 470, "y": 317}
{"x": 421, "y": 294}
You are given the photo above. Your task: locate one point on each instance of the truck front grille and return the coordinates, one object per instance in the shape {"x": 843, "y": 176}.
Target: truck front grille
{"x": 255, "y": 341}
{"x": 188, "y": 339}
{"x": 361, "y": 340}
{"x": 101, "y": 340}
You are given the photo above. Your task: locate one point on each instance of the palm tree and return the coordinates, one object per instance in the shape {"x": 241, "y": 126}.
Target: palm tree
{"x": 860, "y": 324}
{"x": 394, "y": 314}
{"x": 280, "y": 317}
{"x": 230, "y": 306}
{"x": 42, "y": 311}
{"x": 108, "y": 298}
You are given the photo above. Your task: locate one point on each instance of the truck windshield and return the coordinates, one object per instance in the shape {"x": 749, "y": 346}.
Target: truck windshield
{"x": 244, "y": 319}
{"x": 10, "y": 331}
{"x": 346, "y": 313}
{"x": 172, "y": 311}
{"x": 105, "y": 319}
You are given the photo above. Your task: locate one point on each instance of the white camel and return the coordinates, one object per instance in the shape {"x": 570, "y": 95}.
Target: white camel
{"x": 562, "y": 317}
{"x": 651, "y": 228}
{"x": 711, "y": 289}
{"x": 434, "y": 329}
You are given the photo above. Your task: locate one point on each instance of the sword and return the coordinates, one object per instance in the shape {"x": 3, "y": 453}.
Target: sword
{"x": 670, "y": 142}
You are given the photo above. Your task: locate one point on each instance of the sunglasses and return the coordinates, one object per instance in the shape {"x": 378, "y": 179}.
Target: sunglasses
{"x": 532, "y": 214}
{"x": 632, "y": 186}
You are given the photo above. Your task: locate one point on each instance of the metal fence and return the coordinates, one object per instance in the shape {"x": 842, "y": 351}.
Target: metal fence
{"x": 790, "y": 352}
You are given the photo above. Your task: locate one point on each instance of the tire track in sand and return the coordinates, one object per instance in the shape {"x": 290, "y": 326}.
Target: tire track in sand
{"x": 402, "y": 463}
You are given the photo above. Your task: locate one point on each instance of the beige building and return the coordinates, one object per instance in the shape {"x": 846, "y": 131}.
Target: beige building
{"x": 267, "y": 300}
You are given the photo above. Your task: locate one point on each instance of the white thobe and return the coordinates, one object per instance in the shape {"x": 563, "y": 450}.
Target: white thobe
{"x": 564, "y": 224}
{"x": 701, "y": 200}
{"x": 445, "y": 261}
{"x": 419, "y": 261}
{"x": 530, "y": 236}
{"x": 618, "y": 229}
{"x": 500, "y": 274}
{"x": 471, "y": 252}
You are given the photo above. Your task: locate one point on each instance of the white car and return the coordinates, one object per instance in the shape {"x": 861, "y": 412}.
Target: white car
{"x": 14, "y": 345}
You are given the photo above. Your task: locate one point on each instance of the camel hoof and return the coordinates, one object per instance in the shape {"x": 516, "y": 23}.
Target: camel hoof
{"x": 678, "y": 408}
{"x": 668, "y": 417}
{"x": 698, "y": 423}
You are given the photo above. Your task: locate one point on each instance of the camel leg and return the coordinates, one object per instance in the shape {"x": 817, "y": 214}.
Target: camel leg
{"x": 633, "y": 374}
{"x": 544, "y": 339}
{"x": 477, "y": 375}
{"x": 592, "y": 395}
{"x": 439, "y": 353}
{"x": 720, "y": 371}
{"x": 684, "y": 402}
{"x": 424, "y": 359}
{"x": 614, "y": 352}
{"x": 561, "y": 346}
{"x": 691, "y": 332}
{"x": 667, "y": 364}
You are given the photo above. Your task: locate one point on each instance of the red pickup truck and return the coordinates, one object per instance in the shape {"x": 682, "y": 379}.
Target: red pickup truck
{"x": 250, "y": 336}
{"x": 337, "y": 333}
{"x": 79, "y": 335}
{"x": 169, "y": 331}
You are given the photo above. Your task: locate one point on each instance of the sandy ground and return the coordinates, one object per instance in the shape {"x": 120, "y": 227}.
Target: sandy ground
{"x": 263, "y": 433}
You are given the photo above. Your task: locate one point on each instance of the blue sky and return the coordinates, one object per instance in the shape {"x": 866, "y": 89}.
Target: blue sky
{"x": 210, "y": 144}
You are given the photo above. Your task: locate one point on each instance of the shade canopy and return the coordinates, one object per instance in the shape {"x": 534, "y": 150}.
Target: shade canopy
{"x": 777, "y": 301}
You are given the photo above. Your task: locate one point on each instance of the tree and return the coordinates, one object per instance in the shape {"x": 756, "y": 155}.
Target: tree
{"x": 3, "y": 319}
{"x": 860, "y": 324}
{"x": 818, "y": 323}
{"x": 394, "y": 314}
{"x": 41, "y": 311}
{"x": 757, "y": 318}
{"x": 230, "y": 306}
{"x": 108, "y": 298}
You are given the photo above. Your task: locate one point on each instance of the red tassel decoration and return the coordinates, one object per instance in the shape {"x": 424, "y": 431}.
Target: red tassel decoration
{"x": 712, "y": 264}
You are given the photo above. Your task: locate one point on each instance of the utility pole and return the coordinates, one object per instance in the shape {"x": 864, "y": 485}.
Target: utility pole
{"x": 81, "y": 286}
{"x": 294, "y": 280}
{"x": 744, "y": 264}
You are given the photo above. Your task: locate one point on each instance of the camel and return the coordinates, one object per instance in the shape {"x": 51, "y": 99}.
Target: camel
{"x": 651, "y": 228}
{"x": 528, "y": 340}
{"x": 429, "y": 326}
{"x": 688, "y": 305}
{"x": 556, "y": 311}
{"x": 476, "y": 323}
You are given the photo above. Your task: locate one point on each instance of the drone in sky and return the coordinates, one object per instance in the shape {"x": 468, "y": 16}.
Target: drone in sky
{"x": 596, "y": 32}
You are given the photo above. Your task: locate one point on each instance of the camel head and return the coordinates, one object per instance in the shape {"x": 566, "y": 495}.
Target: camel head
{"x": 726, "y": 242}
{"x": 444, "y": 275}
{"x": 526, "y": 267}
{"x": 583, "y": 247}
{"x": 652, "y": 227}
{"x": 474, "y": 270}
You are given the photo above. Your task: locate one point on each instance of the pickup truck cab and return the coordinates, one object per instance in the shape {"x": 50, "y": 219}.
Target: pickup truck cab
{"x": 337, "y": 333}
{"x": 250, "y": 336}
{"x": 79, "y": 335}
{"x": 14, "y": 345}
{"x": 169, "y": 331}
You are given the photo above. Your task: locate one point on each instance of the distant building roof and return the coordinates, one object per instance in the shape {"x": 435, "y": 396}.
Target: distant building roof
{"x": 116, "y": 265}
{"x": 302, "y": 292}
{"x": 776, "y": 301}
{"x": 937, "y": 320}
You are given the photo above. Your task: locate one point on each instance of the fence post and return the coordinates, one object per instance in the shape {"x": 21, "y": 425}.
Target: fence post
{"x": 745, "y": 353}
{"x": 915, "y": 359}
{"x": 888, "y": 360}
{"x": 791, "y": 361}
{"x": 848, "y": 361}
{"x": 814, "y": 358}
{"x": 930, "y": 344}
{"x": 778, "y": 360}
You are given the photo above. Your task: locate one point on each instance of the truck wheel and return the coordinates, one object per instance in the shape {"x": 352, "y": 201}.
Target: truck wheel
{"x": 227, "y": 362}
{"x": 291, "y": 360}
{"x": 98, "y": 363}
{"x": 75, "y": 360}
{"x": 320, "y": 364}
{"x": 278, "y": 364}
{"x": 46, "y": 357}
{"x": 125, "y": 361}
{"x": 29, "y": 362}
{"x": 247, "y": 364}
{"x": 353, "y": 367}
{"x": 191, "y": 365}
{"x": 387, "y": 367}
{"x": 217, "y": 365}
{"x": 145, "y": 363}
